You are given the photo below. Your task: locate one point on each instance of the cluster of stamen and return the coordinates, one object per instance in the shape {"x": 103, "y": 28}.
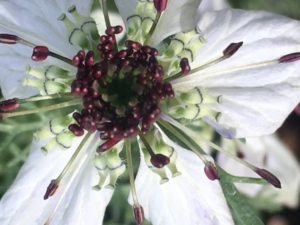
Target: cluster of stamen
{"x": 121, "y": 90}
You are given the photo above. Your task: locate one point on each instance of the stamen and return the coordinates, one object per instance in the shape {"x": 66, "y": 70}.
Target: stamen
{"x": 266, "y": 175}
{"x": 51, "y": 189}
{"x": 139, "y": 215}
{"x": 232, "y": 49}
{"x": 54, "y": 184}
{"x": 293, "y": 57}
{"x": 9, "y": 105}
{"x": 42, "y": 109}
{"x": 160, "y": 6}
{"x": 185, "y": 66}
{"x": 211, "y": 171}
{"x": 45, "y": 97}
{"x": 137, "y": 208}
{"x": 269, "y": 177}
{"x": 39, "y": 52}
{"x": 185, "y": 139}
{"x": 289, "y": 58}
{"x": 227, "y": 53}
{"x": 157, "y": 160}
{"x": 8, "y": 39}
{"x": 65, "y": 191}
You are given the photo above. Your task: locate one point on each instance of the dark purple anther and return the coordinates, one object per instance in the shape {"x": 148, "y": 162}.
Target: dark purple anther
{"x": 8, "y": 39}
{"x": 160, "y": 5}
{"x": 114, "y": 30}
{"x": 232, "y": 49}
{"x": 139, "y": 214}
{"x": 40, "y": 53}
{"x": 107, "y": 145}
{"x": 76, "y": 87}
{"x": 110, "y": 30}
{"x": 185, "y": 66}
{"x": 132, "y": 44}
{"x": 51, "y": 189}
{"x": 76, "y": 130}
{"x": 159, "y": 160}
{"x": 211, "y": 171}
{"x": 96, "y": 115}
{"x": 77, "y": 117}
{"x": 79, "y": 58}
{"x": 76, "y": 60}
{"x": 88, "y": 123}
{"x": 122, "y": 54}
{"x": 89, "y": 59}
{"x": 118, "y": 29}
{"x": 269, "y": 177}
{"x": 293, "y": 57}
{"x": 9, "y": 105}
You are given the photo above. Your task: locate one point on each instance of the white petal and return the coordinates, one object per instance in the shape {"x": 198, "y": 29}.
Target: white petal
{"x": 209, "y": 5}
{"x": 254, "y": 101}
{"x": 190, "y": 198}
{"x": 270, "y": 153}
{"x": 126, "y": 8}
{"x": 23, "y": 203}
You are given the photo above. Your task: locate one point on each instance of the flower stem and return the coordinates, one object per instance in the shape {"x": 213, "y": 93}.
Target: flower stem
{"x": 130, "y": 172}
{"x": 42, "y": 109}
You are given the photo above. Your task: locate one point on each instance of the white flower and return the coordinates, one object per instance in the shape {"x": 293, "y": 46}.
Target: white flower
{"x": 123, "y": 93}
{"x": 268, "y": 152}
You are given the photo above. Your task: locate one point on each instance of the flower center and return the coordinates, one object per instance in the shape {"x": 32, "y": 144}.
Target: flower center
{"x": 121, "y": 90}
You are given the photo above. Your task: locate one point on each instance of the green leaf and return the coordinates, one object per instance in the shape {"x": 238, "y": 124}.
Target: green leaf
{"x": 242, "y": 211}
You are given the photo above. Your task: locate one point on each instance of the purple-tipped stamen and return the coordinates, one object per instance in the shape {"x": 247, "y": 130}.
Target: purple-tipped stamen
{"x": 269, "y": 177}
{"x": 9, "y": 105}
{"x": 232, "y": 49}
{"x": 160, "y": 5}
{"x": 211, "y": 171}
{"x": 40, "y": 53}
{"x": 8, "y": 39}
{"x": 185, "y": 66}
{"x": 159, "y": 160}
{"x": 139, "y": 214}
{"x": 293, "y": 57}
{"x": 51, "y": 189}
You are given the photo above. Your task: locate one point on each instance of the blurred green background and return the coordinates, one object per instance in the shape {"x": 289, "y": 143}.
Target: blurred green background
{"x": 16, "y": 135}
